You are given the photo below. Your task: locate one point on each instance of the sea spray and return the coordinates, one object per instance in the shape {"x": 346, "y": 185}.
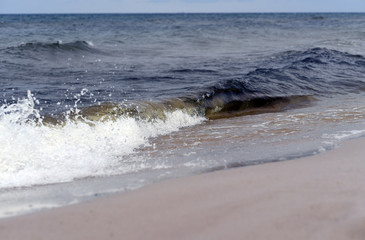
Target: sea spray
{"x": 36, "y": 153}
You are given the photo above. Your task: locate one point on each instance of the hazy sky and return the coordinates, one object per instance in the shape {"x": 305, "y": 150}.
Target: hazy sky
{"x": 130, "y": 6}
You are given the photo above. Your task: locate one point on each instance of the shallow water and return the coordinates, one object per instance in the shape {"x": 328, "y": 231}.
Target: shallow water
{"x": 96, "y": 104}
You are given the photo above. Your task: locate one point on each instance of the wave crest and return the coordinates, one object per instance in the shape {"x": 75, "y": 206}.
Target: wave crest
{"x": 37, "y": 50}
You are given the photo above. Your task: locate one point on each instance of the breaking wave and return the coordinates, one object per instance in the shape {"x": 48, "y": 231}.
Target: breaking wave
{"x": 92, "y": 141}
{"x": 34, "y": 152}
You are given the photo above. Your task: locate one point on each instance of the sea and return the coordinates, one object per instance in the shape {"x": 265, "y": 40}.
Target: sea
{"x": 98, "y": 104}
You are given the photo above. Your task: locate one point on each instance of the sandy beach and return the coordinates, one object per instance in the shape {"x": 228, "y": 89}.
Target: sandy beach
{"x": 319, "y": 197}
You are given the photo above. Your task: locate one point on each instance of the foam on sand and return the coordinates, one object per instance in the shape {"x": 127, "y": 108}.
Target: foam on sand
{"x": 319, "y": 197}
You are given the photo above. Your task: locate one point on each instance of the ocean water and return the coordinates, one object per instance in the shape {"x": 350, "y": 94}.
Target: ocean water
{"x": 94, "y": 104}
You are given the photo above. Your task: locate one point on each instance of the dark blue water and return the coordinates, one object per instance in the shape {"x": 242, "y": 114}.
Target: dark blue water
{"x": 154, "y": 56}
{"x": 144, "y": 97}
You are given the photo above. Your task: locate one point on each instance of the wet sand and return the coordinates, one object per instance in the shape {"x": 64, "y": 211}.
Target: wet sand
{"x": 319, "y": 197}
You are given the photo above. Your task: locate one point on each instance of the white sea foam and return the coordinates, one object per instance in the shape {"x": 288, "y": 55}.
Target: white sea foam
{"x": 33, "y": 154}
{"x": 343, "y": 135}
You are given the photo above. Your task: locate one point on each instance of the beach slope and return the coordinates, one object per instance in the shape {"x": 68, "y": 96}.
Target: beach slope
{"x": 319, "y": 197}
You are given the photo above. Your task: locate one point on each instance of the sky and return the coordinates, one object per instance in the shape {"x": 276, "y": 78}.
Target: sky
{"x": 174, "y": 6}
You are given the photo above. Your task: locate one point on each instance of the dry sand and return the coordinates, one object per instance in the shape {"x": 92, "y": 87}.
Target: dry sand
{"x": 319, "y": 197}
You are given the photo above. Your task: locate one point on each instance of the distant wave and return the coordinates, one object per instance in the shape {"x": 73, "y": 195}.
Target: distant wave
{"x": 188, "y": 70}
{"x": 58, "y": 47}
{"x": 318, "y": 17}
{"x": 71, "y": 46}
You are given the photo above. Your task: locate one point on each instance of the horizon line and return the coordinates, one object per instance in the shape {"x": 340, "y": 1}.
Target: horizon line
{"x": 253, "y": 12}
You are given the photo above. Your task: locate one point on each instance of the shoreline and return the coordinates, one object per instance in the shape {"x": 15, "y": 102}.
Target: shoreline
{"x": 316, "y": 197}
